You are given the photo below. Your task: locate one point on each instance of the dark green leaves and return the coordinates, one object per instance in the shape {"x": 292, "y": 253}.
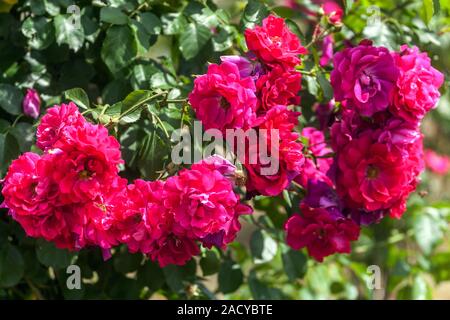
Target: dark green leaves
{"x": 12, "y": 266}
{"x": 262, "y": 246}
{"x": 254, "y": 13}
{"x": 10, "y": 99}
{"x": 68, "y": 32}
{"x": 78, "y": 96}
{"x": 151, "y": 22}
{"x": 193, "y": 39}
{"x": 230, "y": 276}
{"x": 325, "y": 85}
{"x": 113, "y": 15}
{"x": 51, "y": 256}
{"x": 210, "y": 263}
{"x": 39, "y": 31}
{"x": 9, "y": 150}
{"x": 294, "y": 263}
{"x": 119, "y": 48}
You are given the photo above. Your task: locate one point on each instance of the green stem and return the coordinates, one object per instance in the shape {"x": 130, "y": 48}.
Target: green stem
{"x": 135, "y": 107}
{"x": 162, "y": 125}
{"x": 16, "y": 120}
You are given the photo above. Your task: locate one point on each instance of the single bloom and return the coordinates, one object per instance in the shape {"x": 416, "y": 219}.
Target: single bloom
{"x": 418, "y": 84}
{"x": 83, "y": 164}
{"x": 374, "y": 176}
{"x": 204, "y": 204}
{"x": 364, "y": 77}
{"x": 274, "y": 44}
{"x": 279, "y": 87}
{"x": 320, "y": 232}
{"x": 54, "y": 123}
{"x": 222, "y": 99}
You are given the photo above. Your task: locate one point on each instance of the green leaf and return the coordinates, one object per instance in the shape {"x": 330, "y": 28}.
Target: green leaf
{"x": 230, "y": 276}
{"x": 261, "y": 291}
{"x": 125, "y": 262}
{"x": 173, "y": 23}
{"x": 348, "y": 4}
{"x": 193, "y": 39}
{"x": 420, "y": 289}
{"x": 10, "y": 99}
{"x": 210, "y": 263}
{"x": 294, "y": 263}
{"x": 78, "y": 96}
{"x": 151, "y": 275}
{"x": 176, "y": 276}
{"x": 24, "y": 133}
{"x": 151, "y": 22}
{"x": 428, "y": 7}
{"x": 135, "y": 99}
{"x": 68, "y": 33}
{"x": 254, "y": 13}
{"x": 113, "y": 15}
{"x": 39, "y": 31}
{"x": 262, "y": 247}
{"x": 12, "y": 266}
{"x": 9, "y": 150}
{"x": 51, "y": 256}
{"x": 427, "y": 229}
{"x": 119, "y": 48}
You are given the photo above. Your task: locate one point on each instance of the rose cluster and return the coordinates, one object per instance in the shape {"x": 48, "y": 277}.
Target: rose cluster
{"x": 72, "y": 195}
{"x": 377, "y": 146}
{"x": 255, "y": 92}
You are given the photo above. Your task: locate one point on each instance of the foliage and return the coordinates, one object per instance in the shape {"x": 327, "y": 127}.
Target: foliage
{"x": 129, "y": 54}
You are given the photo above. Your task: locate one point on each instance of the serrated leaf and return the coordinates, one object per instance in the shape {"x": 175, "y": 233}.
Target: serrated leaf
{"x": 262, "y": 246}
{"x": 193, "y": 39}
{"x": 119, "y": 48}
{"x": 10, "y": 99}
{"x": 210, "y": 263}
{"x": 39, "y": 31}
{"x": 78, "y": 96}
{"x": 230, "y": 276}
{"x": 294, "y": 263}
{"x": 113, "y": 15}
{"x": 151, "y": 22}
{"x": 12, "y": 266}
{"x": 51, "y": 256}
{"x": 68, "y": 32}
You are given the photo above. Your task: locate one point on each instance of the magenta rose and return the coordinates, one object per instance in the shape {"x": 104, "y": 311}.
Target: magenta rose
{"x": 222, "y": 99}
{"x": 364, "y": 77}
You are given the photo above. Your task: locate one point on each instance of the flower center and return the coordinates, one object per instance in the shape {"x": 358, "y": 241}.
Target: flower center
{"x": 372, "y": 172}
{"x": 84, "y": 174}
{"x": 224, "y": 104}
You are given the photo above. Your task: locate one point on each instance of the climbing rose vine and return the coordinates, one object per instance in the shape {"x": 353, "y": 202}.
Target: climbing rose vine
{"x": 359, "y": 166}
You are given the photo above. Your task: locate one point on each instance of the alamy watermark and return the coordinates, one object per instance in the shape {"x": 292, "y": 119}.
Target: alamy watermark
{"x": 251, "y": 146}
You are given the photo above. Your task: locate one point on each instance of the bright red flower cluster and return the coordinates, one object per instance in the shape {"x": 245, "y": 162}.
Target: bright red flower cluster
{"x": 255, "y": 93}
{"x": 73, "y": 195}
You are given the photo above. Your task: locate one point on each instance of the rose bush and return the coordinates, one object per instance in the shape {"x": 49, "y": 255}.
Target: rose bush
{"x": 90, "y": 111}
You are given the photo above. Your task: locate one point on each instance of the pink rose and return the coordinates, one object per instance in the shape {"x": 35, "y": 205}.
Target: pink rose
{"x": 223, "y": 99}
{"x": 417, "y": 85}
{"x": 31, "y": 104}
{"x": 364, "y": 78}
{"x": 274, "y": 44}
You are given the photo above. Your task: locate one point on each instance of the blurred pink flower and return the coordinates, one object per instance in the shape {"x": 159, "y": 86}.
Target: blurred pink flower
{"x": 439, "y": 164}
